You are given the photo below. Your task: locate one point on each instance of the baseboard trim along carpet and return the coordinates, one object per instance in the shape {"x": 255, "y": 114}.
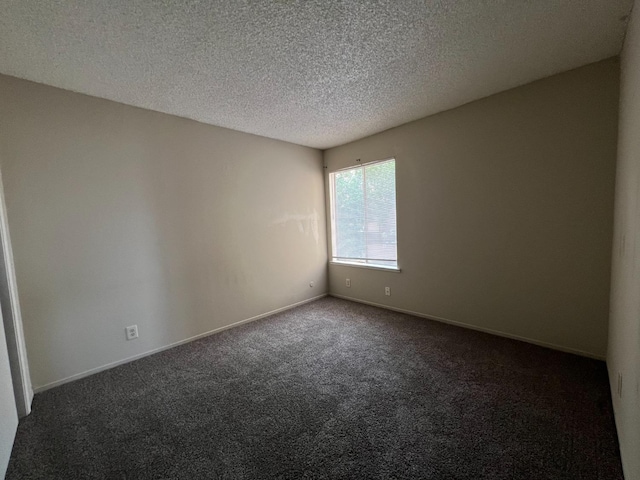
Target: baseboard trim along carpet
{"x": 333, "y": 389}
{"x": 552, "y": 346}
{"x": 86, "y": 373}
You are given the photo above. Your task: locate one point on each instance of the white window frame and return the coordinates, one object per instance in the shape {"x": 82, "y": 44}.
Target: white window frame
{"x": 351, "y": 262}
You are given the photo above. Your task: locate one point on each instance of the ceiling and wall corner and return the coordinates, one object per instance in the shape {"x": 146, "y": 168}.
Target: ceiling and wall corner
{"x": 315, "y": 73}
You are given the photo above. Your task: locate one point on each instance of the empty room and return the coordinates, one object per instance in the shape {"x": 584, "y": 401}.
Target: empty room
{"x": 291, "y": 239}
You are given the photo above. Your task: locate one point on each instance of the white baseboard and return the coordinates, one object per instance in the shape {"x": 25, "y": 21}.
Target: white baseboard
{"x": 480, "y": 329}
{"x": 86, "y": 373}
{"x": 31, "y": 393}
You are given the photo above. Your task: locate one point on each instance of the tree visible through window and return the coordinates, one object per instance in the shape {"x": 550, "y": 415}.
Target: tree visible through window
{"x": 363, "y": 214}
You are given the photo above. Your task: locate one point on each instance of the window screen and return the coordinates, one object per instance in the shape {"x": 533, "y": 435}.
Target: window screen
{"x": 363, "y": 214}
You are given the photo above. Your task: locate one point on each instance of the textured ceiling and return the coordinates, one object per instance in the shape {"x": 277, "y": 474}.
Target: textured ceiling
{"x": 318, "y": 72}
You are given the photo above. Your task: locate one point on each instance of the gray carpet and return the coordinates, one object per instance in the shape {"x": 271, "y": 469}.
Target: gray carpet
{"x": 332, "y": 389}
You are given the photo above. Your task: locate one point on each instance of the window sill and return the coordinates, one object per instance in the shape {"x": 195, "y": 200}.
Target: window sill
{"x": 368, "y": 266}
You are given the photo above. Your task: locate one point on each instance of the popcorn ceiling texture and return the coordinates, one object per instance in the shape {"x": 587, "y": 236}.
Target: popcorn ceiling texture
{"x": 318, "y": 73}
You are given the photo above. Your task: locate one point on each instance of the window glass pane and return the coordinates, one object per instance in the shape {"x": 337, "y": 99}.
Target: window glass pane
{"x": 349, "y": 214}
{"x": 380, "y": 210}
{"x": 364, "y": 214}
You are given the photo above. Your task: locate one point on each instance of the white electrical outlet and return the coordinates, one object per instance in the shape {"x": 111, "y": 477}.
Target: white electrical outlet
{"x": 131, "y": 332}
{"x": 387, "y": 291}
{"x": 348, "y": 282}
{"x": 619, "y": 385}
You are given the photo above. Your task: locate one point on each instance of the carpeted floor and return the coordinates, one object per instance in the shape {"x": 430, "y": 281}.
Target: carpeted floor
{"x": 332, "y": 389}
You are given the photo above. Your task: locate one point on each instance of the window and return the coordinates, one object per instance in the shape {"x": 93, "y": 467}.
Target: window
{"x": 363, "y": 215}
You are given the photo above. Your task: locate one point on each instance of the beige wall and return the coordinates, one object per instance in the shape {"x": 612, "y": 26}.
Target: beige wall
{"x": 623, "y": 356}
{"x": 122, "y": 216}
{"x": 8, "y": 413}
{"x": 504, "y": 211}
